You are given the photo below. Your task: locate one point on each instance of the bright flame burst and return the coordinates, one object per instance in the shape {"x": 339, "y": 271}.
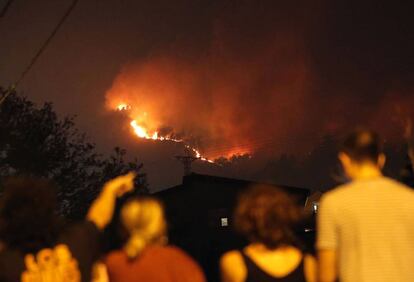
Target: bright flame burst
{"x": 123, "y": 107}
{"x": 143, "y": 133}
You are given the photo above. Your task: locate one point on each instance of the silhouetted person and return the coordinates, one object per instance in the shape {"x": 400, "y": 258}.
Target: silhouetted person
{"x": 146, "y": 255}
{"x": 36, "y": 246}
{"x": 267, "y": 217}
{"x": 365, "y": 227}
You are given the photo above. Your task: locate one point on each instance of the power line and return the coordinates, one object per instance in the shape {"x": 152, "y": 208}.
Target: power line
{"x": 12, "y": 88}
{"x": 46, "y": 43}
{"x": 5, "y": 8}
{"x": 6, "y": 93}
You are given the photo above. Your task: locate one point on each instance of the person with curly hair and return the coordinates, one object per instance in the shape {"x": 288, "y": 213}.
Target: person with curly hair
{"x": 267, "y": 216}
{"x": 35, "y": 245}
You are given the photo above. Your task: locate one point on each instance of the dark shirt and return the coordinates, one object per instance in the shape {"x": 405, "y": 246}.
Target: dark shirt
{"x": 256, "y": 274}
{"x": 76, "y": 249}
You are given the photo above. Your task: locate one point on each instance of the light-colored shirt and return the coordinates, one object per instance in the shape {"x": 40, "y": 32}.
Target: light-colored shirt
{"x": 370, "y": 224}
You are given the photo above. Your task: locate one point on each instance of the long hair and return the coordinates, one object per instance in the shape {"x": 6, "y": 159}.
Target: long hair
{"x": 143, "y": 219}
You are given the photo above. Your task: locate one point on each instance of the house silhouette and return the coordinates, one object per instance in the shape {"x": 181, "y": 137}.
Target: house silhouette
{"x": 199, "y": 213}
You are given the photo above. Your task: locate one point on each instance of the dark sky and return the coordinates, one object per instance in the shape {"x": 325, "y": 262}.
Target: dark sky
{"x": 268, "y": 77}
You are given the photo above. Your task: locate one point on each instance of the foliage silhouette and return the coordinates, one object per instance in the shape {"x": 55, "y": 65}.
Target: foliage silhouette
{"x": 35, "y": 141}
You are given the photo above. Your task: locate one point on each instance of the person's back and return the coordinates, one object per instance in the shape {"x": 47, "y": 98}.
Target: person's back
{"x": 145, "y": 256}
{"x": 156, "y": 263}
{"x": 36, "y": 246}
{"x": 267, "y": 217}
{"x": 374, "y": 220}
{"x": 256, "y": 263}
{"x": 365, "y": 230}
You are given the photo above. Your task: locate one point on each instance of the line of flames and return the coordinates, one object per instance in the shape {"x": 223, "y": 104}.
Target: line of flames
{"x": 143, "y": 133}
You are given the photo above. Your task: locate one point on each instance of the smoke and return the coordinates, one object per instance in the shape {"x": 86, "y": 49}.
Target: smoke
{"x": 253, "y": 86}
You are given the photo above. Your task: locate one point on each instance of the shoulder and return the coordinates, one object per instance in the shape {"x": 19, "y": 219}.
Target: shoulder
{"x": 396, "y": 184}
{"x": 232, "y": 257}
{"x": 115, "y": 258}
{"x": 180, "y": 256}
{"x": 232, "y": 266}
{"x": 337, "y": 192}
{"x": 335, "y": 196}
{"x": 169, "y": 251}
{"x": 116, "y": 254}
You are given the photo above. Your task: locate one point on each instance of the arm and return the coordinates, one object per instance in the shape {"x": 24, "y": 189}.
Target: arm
{"x": 102, "y": 209}
{"x": 327, "y": 270}
{"x": 310, "y": 268}
{"x": 232, "y": 268}
{"x": 327, "y": 239}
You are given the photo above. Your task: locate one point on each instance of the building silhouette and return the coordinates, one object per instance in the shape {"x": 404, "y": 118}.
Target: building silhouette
{"x": 199, "y": 213}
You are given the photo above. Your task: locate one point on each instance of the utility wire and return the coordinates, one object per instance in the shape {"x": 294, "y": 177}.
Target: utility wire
{"x": 46, "y": 43}
{"x": 12, "y": 88}
{"x": 5, "y": 8}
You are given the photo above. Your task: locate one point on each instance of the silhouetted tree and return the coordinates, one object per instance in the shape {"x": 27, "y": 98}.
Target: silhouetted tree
{"x": 35, "y": 141}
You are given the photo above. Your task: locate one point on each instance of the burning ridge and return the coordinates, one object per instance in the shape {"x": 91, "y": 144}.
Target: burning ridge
{"x": 142, "y": 132}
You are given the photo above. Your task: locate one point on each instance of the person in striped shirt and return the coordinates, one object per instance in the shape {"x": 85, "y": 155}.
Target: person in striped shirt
{"x": 365, "y": 227}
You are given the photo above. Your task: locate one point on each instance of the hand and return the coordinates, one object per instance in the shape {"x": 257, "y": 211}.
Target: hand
{"x": 121, "y": 184}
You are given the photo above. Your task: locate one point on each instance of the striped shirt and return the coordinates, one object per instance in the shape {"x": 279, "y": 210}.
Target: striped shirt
{"x": 370, "y": 224}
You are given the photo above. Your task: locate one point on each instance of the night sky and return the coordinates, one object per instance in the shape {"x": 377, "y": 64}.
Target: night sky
{"x": 257, "y": 77}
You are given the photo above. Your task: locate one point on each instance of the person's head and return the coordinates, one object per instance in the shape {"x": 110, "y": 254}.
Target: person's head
{"x": 143, "y": 219}
{"x": 267, "y": 215}
{"x": 28, "y": 220}
{"x": 361, "y": 149}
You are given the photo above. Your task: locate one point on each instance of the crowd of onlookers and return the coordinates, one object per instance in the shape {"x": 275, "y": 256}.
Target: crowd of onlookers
{"x": 364, "y": 232}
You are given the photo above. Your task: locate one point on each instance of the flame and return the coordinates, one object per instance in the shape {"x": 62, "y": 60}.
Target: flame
{"x": 198, "y": 154}
{"x": 143, "y": 132}
{"x": 123, "y": 107}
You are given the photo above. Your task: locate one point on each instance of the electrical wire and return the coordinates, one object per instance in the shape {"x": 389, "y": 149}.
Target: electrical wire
{"x": 48, "y": 40}
{"x": 6, "y": 7}
{"x": 12, "y": 88}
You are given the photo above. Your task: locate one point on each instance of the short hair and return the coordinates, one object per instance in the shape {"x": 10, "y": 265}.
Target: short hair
{"x": 28, "y": 220}
{"x": 362, "y": 145}
{"x": 266, "y": 214}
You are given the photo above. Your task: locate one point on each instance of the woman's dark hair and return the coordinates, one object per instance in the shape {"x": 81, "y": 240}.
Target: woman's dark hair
{"x": 28, "y": 220}
{"x": 267, "y": 215}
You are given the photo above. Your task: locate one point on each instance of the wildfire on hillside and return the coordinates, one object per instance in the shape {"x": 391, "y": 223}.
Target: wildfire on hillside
{"x": 142, "y": 132}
